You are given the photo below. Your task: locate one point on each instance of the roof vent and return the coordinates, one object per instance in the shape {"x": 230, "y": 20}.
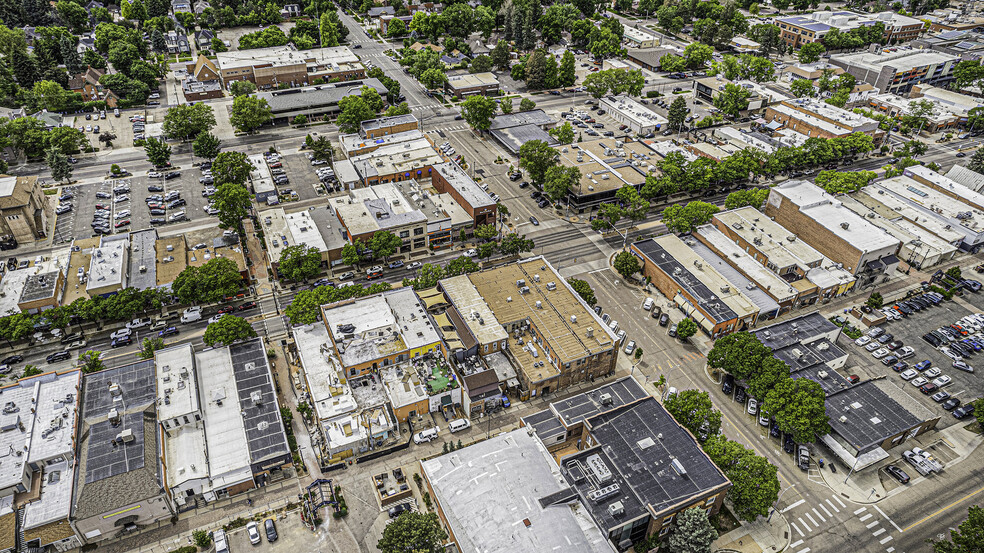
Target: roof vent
{"x": 616, "y": 509}
{"x": 606, "y": 399}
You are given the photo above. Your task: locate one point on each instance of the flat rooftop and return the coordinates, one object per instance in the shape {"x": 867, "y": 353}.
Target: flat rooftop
{"x": 355, "y": 142}
{"x": 714, "y": 294}
{"x": 383, "y": 324}
{"x": 409, "y": 158}
{"x": 285, "y": 55}
{"x": 890, "y": 205}
{"x": 265, "y": 437}
{"x": 762, "y": 300}
{"x": 902, "y": 60}
{"x": 633, "y": 110}
{"x": 298, "y": 99}
{"x": 829, "y": 213}
{"x": 802, "y": 329}
{"x": 392, "y": 121}
{"x": 177, "y": 387}
{"x": 517, "y": 118}
{"x": 143, "y": 259}
{"x": 779, "y": 245}
{"x": 605, "y": 165}
{"x": 513, "y": 138}
{"x": 848, "y": 124}
{"x": 534, "y": 508}
{"x": 459, "y": 82}
{"x": 225, "y": 438}
{"x": 562, "y": 318}
{"x": 909, "y": 190}
{"x": 947, "y": 186}
{"x": 865, "y": 416}
{"x": 40, "y": 286}
{"x": 109, "y": 266}
{"x": 764, "y": 278}
{"x": 466, "y": 187}
{"x": 472, "y": 307}
{"x": 656, "y": 463}
{"x": 576, "y": 409}
{"x": 327, "y": 384}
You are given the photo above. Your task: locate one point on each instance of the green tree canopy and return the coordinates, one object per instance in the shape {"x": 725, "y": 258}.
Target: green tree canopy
{"x": 738, "y": 353}
{"x": 584, "y": 290}
{"x": 695, "y": 412}
{"x": 249, "y": 113}
{"x": 626, "y": 264}
{"x": 232, "y": 167}
{"x": 478, "y": 111}
{"x": 686, "y": 328}
{"x": 838, "y": 182}
{"x": 413, "y": 532}
{"x": 158, "y": 151}
{"x": 185, "y": 121}
{"x": 693, "y": 533}
{"x": 217, "y": 279}
{"x": 536, "y": 157}
{"x": 754, "y": 197}
{"x": 687, "y": 218}
{"x": 299, "y": 262}
{"x": 228, "y": 330}
{"x": 798, "y": 407}
{"x": 969, "y": 536}
{"x": 353, "y": 111}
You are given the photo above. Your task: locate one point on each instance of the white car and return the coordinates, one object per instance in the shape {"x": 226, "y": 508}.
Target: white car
{"x": 909, "y": 374}
{"x": 942, "y": 381}
{"x": 471, "y": 253}
{"x": 120, "y": 333}
{"x": 864, "y": 340}
{"x": 122, "y": 214}
{"x": 879, "y": 353}
{"x": 876, "y": 332}
{"x": 123, "y": 198}
{"x": 872, "y": 346}
{"x": 154, "y": 175}
{"x": 919, "y": 381}
{"x": 253, "y": 530}
{"x": 753, "y": 406}
{"x": 414, "y": 265}
{"x": 215, "y": 318}
{"x": 932, "y": 372}
{"x": 138, "y": 323}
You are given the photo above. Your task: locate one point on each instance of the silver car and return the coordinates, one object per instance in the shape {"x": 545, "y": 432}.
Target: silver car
{"x": 630, "y": 347}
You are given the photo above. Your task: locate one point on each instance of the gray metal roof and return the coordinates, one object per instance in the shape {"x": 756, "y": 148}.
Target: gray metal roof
{"x": 515, "y": 119}
{"x": 261, "y": 414}
{"x": 794, "y": 331}
{"x": 759, "y": 297}
{"x": 865, "y": 416}
{"x": 512, "y": 138}
{"x": 143, "y": 259}
{"x": 717, "y": 310}
{"x": 315, "y": 96}
{"x": 577, "y": 408}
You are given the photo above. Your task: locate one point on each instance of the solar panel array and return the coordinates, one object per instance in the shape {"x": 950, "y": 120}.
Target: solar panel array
{"x": 107, "y": 456}
{"x": 136, "y": 381}
{"x": 261, "y": 414}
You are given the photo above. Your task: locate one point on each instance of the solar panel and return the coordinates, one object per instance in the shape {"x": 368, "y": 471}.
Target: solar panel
{"x": 108, "y": 456}
{"x": 264, "y": 432}
{"x": 136, "y": 382}
{"x": 966, "y": 45}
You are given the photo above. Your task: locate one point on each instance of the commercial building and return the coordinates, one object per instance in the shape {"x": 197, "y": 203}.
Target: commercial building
{"x": 314, "y": 101}
{"x": 932, "y": 179}
{"x": 635, "y": 37}
{"x": 937, "y": 120}
{"x": 476, "y": 83}
{"x": 512, "y": 130}
{"x": 43, "y": 289}
{"x": 555, "y": 340}
{"x": 516, "y": 469}
{"x": 380, "y": 207}
{"x": 898, "y": 71}
{"x": 865, "y": 250}
{"x": 743, "y": 45}
{"x": 270, "y": 67}
{"x": 745, "y": 140}
{"x": 120, "y": 485}
{"x": 384, "y": 126}
{"x": 107, "y": 272}
{"x": 409, "y": 158}
{"x": 199, "y": 91}
{"x": 708, "y": 88}
{"x": 799, "y": 30}
{"x": 867, "y": 418}
{"x": 450, "y": 178}
{"x": 37, "y": 436}
{"x": 633, "y": 467}
{"x": 606, "y": 165}
{"x": 816, "y": 118}
{"x": 952, "y": 101}
{"x": 319, "y": 229}
{"x": 24, "y": 209}
{"x": 220, "y": 422}
{"x": 697, "y": 289}
{"x": 640, "y": 119}
{"x": 380, "y": 330}
{"x": 965, "y": 177}
{"x": 648, "y": 58}
{"x": 357, "y": 145}
{"x": 963, "y": 43}
{"x": 920, "y": 249}
{"x": 752, "y": 277}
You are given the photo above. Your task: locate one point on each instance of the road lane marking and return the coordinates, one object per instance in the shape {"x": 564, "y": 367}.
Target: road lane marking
{"x": 886, "y": 540}
{"x": 889, "y": 550}
{"x": 798, "y": 531}
{"x": 866, "y": 517}
{"x": 878, "y": 533}
{"x": 826, "y": 511}
{"x": 873, "y": 524}
{"x": 794, "y": 505}
{"x": 890, "y": 521}
{"x": 816, "y": 512}
{"x": 796, "y": 543}
{"x": 861, "y": 510}
{"x": 811, "y": 520}
{"x": 836, "y": 510}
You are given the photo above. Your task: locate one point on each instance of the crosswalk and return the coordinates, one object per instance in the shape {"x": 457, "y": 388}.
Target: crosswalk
{"x": 669, "y": 364}
{"x": 450, "y": 128}
{"x": 806, "y": 519}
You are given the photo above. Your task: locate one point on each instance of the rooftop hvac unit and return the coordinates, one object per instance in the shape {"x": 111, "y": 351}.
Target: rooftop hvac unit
{"x": 536, "y": 278}
{"x": 125, "y": 436}
{"x": 539, "y": 305}
{"x": 573, "y": 319}
{"x": 616, "y": 509}
{"x": 590, "y": 332}
{"x": 524, "y": 290}
{"x": 599, "y": 494}
{"x": 551, "y": 286}
{"x": 598, "y": 468}
{"x": 520, "y": 283}
{"x": 822, "y": 374}
{"x": 678, "y": 467}
{"x": 606, "y": 399}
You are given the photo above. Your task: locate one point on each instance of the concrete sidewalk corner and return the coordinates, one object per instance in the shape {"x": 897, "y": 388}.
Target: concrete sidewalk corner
{"x": 761, "y": 536}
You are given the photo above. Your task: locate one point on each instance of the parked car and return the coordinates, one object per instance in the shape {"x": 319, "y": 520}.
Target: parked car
{"x": 271, "y": 530}
{"x": 897, "y": 473}
{"x": 58, "y": 356}
{"x": 253, "y": 532}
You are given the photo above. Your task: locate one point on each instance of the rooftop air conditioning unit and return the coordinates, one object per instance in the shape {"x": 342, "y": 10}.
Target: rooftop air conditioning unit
{"x": 616, "y": 509}
{"x": 606, "y": 399}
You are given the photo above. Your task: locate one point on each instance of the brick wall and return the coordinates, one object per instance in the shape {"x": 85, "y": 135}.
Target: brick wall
{"x": 816, "y": 235}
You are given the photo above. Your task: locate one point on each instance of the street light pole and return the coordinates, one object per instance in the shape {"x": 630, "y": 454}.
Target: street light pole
{"x": 775, "y": 506}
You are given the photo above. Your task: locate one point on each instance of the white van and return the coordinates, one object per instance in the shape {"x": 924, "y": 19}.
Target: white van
{"x": 221, "y": 546}
{"x": 426, "y": 435}
{"x": 614, "y": 326}
{"x": 648, "y": 304}
{"x": 459, "y": 424}
{"x": 191, "y": 315}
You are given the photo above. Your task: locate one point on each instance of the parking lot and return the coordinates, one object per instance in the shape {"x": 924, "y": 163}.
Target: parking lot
{"x": 964, "y": 386}
{"x": 293, "y": 536}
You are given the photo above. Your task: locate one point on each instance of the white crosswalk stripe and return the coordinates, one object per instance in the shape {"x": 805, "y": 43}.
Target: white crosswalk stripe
{"x": 798, "y": 531}
{"x": 811, "y": 520}
{"x": 879, "y": 532}
{"x": 796, "y": 543}
{"x": 826, "y": 511}
{"x": 872, "y": 525}
{"x": 820, "y": 516}
{"x": 839, "y": 502}
{"x": 886, "y": 540}
{"x": 861, "y": 510}
{"x": 865, "y": 517}
{"x": 804, "y": 524}
{"x": 832, "y": 506}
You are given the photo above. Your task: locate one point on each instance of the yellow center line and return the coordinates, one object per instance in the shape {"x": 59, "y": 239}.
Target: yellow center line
{"x": 951, "y": 505}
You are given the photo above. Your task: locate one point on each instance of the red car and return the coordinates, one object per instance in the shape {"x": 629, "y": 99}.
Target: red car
{"x": 247, "y": 306}
{"x": 102, "y": 206}
{"x": 123, "y": 223}
{"x": 226, "y": 309}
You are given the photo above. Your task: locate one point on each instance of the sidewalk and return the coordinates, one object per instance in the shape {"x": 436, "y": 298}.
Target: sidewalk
{"x": 756, "y": 537}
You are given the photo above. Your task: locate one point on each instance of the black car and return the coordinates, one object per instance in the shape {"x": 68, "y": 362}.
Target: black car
{"x": 950, "y": 404}
{"x": 397, "y": 510}
{"x": 158, "y": 212}
{"x": 897, "y": 473}
{"x": 58, "y": 356}
{"x": 121, "y": 341}
{"x": 664, "y": 319}
{"x": 728, "y": 384}
{"x": 885, "y": 338}
{"x": 10, "y": 360}
{"x": 542, "y": 203}
{"x": 157, "y": 221}
{"x": 177, "y": 203}
{"x": 155, "y": 188}
{"x": 172, "y": 175}
{"x": 169, "y": 331}
{"x": 933, "y": 340}
{"x": 961, "y": 412}
{"x": 889, "y": 360}
{"x": 72, "y": 337}
{"x": 271, "y": 530}
{"x": 740, "y": 395}
{"x": 788, "y": 445}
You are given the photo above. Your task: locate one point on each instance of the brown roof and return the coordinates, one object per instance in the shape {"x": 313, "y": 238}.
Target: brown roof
{"x": 50, "y": 533}
{"x": 92, "y": 75}
{"x": 21, "y": 194}
{"x": 7, "y": 528}
{"x": 481, "y": 380}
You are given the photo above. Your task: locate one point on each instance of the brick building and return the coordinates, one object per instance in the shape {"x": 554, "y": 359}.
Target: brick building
{"x": 865, "y": 250}
{"x": 271, "y": 67}
{"x": 815, "y": 118}
{"x": 384, "y": 126}
{"x": 449, "y": 178}
{"x": 466, "y": 85}
{"x": 24, "y": 209}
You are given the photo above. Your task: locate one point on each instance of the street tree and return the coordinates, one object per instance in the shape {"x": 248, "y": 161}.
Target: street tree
{"x": 478, "y": 111}
{"x": 566, "y": 75}
{"x": 564, "y": 133}
{"x": 506, "y": 105}
{"x": 158, "y": 151}
{"x": 875, "y": 301}
{"x": 693, "y": 532}
{"x": 233, "y": 202}
{"x": 299, "y": 262}
{"x": 184, "y": 121}
{"x": 677, "y": 113}
{"x": 427, "y": 277}
{"x": 559, "y": 180}
{"x": 413, "y": 531}
{"x": 584, "y": 290}
{"x": 838, "y": 182}
{"x": 695, "y": 412}
{"x": 626, "y": 264}
{"x": 755, "y": 481}
{"x": 635, "y": 207}
{"x": 526, "y": 104}
{"x": 460, "y": 266}
{"x": 396, "y": 28}
{"x": 61, "y": 169}
{"x": 228, "y": 330}
{"x": 697, "y": 55}
{"x": 513, "y": 244}
{"x": 738, "y": 354}
{"x": 90, "y": 362}
{"x": 481, "y": 64}
{"x": 242, "y": 88}
{"x": 536, "y": 157}
{"x": 107, "y": 138}
{"x": 217, "y": 279}
{"x": 733, "y": 99}
{"x": 977, "y": 161}
{"x": 485, "y": 232}
{"x": 968, "y": 537}
{"x": 688, "y": 217}
{"x": 754, "y": 197}
{"x": 232, "y": 166}
{"x": 353, "y": 111}
{"x": 433, "y": 78}
{"x": 384, "y": 243}
{"x": 206, "y": 145}
{"x": 798, "y": 407}
{"x": 609, "y": 214}
{"x": 764, "y": 377}
{"x": 811, "y": 52}
{"x": 686, "y": 328}
{"x": 322, "y": 149}
{"x": 803, "y": 88}
{"x": 149, "y": 346}
{"x": 500, "y": 55}
{"x": 249, "y": 113}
